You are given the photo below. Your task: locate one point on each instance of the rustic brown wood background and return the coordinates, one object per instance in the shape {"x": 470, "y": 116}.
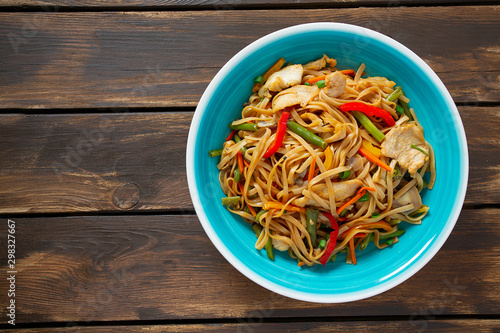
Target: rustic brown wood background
{"x": 96, "y": 99}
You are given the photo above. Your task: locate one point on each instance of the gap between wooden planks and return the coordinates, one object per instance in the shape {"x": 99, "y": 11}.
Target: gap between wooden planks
{"x": 117, "y": 162}
{"x": 166, "y": 59}
{"x": 163, "y": 267}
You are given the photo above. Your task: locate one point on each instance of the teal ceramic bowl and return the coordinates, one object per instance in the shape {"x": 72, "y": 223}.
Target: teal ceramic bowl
{"x": 377, "y": 270}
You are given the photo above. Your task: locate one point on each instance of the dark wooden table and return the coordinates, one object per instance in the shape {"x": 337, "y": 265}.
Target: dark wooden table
{"x": 97, "y": 99}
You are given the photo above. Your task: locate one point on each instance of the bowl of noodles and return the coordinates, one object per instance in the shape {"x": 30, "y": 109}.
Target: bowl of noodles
{"x": 327, "y": 162}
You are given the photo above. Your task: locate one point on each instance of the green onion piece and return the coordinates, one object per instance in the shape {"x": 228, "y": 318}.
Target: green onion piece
{"x": 424, "y": 183}
{"x": 368, "y": 125}
{"x": 364, "y": 198}
{"x": 312, "y": 216}
{"x": 399, "y": 109}
{"x": 419, "y": 149}
{"x": 390, "y": 241}
{"x": 321, "y": 83}
{"x": 230, "y": 200}
{"x": 307, "y": 83}
{"x": 395, "y": 94}
{"x": 333, "y": 258}
{"x": 343, "y": 213}
{"x": 259, "y": 215}
{"x": 406, "y": 108}
{"x": 365, "y": 242}
{"x": 237, "y": 174}
{"x": 322, "y": 244}
{"x": 215, "y": 152}
{"x": 375, "y": 214}
{"x": 345, "y": 174}
{"x": 244, "y": 127}
{"x": 269, "y": 248}
{"x": 306, "y": 134}
{"x": 258, "y": 79}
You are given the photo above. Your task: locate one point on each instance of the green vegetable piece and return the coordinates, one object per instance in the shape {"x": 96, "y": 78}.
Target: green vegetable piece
{"x": 259, "y": 215}
{"x": 333, "y": 258}
{"x": 344, "y": 213}
{"x": 390, "y": 241}
{"x": 215, "y": 152}
{"x": 321, "y": 83}
{"x": 395, "y": 94}
{"x": 307, "y": 83}
{"x": 269, "y": 248}
{"x": 306, "y": 134}
{"x": 244, "y": 127}
{"x": 368, "y": 125}
{"x": 322, "y": 244}
{"x": 237, "y": 174}
{"x": 345, "y": 174}
{"x": 257, "y": 228}
{"x": 258, "y": 79}
{"x": 375, "y": 214}
{"x": 419, "y": 149}
{"x": 365, "y": 242}
{"x": 364, "y": 198}
{"x": 397, "y": 233}
{"x": 399, "y": 109}
{"x": 312, "y": 216}
{"x": 230, "y": 200}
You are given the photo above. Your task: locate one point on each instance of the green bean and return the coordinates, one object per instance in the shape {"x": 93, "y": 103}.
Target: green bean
{"x": 257, "y": 228}
{"x": 244, "y": 127}
{"x": 312, "y": 216}
{"x": 236, "y": 138}
{"x": 365, "y": 242}
{"x": 230, "y": 200}
{"x": 237, "y": 174}
{"x": 215, "y": 152}
{"x": 400, "y": 110}
{"x": 321, "y": 83}
{"x": 368, "y": 125}
{"x": 406, "y": 108}
{"x": 269, "y": 248}
{"x": 306, "y": 134}
{"x": 397, "y": 233}
{"x": 395, "y": 94}
{"x": 259, "y": 215}
{"x": 243, "y": 149}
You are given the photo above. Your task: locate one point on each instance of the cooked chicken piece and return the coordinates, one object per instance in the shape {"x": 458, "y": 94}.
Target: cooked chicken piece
{"x": 397, "y": 145}
{"x": 295, "y": 95}
{"x": 284, "y": 78}
{"x": 280, "y": 245}
{"x": 335, "y": 84}
{"x": 342, "y": 190}
{"x": 320, "y": 63}
{"x": 410, "y": 197}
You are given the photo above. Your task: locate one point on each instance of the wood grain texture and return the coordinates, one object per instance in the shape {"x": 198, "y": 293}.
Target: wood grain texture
{"x": 410, "y": 325}
{"x": 223, "y": 4}
{"x": 159, "y": 59}
{"x": 163, "y": 267}
{"x": 117, "y": 162}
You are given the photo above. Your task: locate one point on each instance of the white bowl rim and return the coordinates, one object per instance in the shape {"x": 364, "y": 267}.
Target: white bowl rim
{"x": 238, "y": 264}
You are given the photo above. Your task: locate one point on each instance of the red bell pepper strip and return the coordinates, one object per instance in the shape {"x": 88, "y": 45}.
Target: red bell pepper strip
{"x": 280, "y": 134}
{"x": 231, "y": 135}
{"x": 333, "y": 238}
{"x": 369, "y": 110}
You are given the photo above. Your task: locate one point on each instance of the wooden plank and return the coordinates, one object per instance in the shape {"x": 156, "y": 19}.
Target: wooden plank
{"x": 163, "y": 267}
{"x": 440, "y": 326}
{"x": 224, "y": 5}
{"x": 114, "y": 162}
{"x": 160, "y": 59}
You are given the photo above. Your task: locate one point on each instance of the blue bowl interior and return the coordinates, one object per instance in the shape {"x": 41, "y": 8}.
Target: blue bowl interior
{"x": 377, "y": 270}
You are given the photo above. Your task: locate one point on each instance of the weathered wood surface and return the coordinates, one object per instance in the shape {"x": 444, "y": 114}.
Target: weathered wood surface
{"x": 223, "y": 4}
{"x": 115, "y": 162}
{"x": 409, "y": 325}
{"x": 163, "y": 267}
{"x": 166, "y": 59}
